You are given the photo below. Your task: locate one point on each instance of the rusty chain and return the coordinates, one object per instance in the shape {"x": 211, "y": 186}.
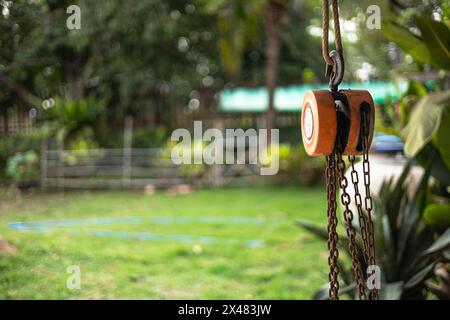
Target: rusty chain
{"x": 358, "y": 202}
{"x": 368, "y": 199}
{"x": 335, "y": 174}
{"x": 332, "y": 224}
{"x": 351, "y": 232}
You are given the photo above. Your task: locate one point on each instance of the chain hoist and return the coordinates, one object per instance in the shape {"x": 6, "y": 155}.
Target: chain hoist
{"x": 336, "y": 123}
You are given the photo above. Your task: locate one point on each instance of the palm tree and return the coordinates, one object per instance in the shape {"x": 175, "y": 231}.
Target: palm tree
{"x": 273, "y": 14}
{"x": 239, "y": 25}
{"x": 238, "y": 22}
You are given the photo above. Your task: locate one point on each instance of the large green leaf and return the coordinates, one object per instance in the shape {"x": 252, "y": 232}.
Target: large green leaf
{"x": 430, "y": 156}
{"x": 436, "y": 36}
{"x": 437, "y": 215}
{"x": 410, "y": 43}
{"x": 425, "y": 121}
{"x": 442, "y": 137}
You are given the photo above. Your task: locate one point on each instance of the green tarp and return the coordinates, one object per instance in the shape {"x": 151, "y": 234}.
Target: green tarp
{"x": 290, "y": 98}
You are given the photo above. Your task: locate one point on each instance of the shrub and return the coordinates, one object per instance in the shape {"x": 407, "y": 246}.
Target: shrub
{"x": 23, "y": 168}
{"x": 19, "y": 143}
{"x": 297, "y": 167}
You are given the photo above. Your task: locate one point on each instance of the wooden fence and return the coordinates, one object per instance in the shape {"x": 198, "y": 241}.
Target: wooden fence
{"x": 14, "y": 121}
{"x": 134, "y": 169}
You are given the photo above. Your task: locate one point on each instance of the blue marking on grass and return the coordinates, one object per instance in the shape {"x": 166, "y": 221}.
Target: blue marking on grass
{"x": 44, "y": 225}
{"x": 211, "y": 220}
{"x": 131, "y": 235}
{"x": 70, "y": 224}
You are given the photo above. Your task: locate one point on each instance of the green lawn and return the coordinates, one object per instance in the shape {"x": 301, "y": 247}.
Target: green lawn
{"x": 290, "y": 264}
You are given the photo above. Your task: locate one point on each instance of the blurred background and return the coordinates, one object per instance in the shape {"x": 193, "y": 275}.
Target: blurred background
{"x": 91, "y": 91}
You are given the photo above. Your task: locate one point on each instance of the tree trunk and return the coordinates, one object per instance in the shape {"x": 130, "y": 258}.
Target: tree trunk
{"x": 274, "y": 12}
{"x": 23, "y": 94}
{"x": 74, "y": 80}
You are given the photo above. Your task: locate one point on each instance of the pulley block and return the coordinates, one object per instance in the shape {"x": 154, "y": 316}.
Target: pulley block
{"x": 329, "y": 117}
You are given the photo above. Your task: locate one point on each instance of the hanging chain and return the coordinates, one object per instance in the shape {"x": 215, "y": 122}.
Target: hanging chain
{"x": 351, "y": 232}
{"x": 361, "y": 216}
{"x": 336, "y": 166}
{"x": 368, "y": 199}
{"x": 336, "y": 170}
{"x": 332, "y": 224}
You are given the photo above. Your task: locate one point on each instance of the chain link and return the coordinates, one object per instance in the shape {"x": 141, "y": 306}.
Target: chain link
{"x": 332, "y": 224}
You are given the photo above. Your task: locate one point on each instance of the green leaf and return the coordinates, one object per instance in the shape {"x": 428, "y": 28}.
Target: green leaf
{"x": 441, "y": 138}
{"x": 409, "y": 220}
{"x": 392, "y": 291}
{"x": 424, "y": 122}
{"x": 430, "y": 156}
{"x": 391, "y": 194}
{"x": 416, "y": 89}
{"x": 410, "y": 43}
{"x": 323, "y": 292}
{"x": 437, "y": 215}
{"x": 322, "y": 233}
{"x": 446, "y": 254}
{"x": 420, "y": 195}
{"x": 317, "y": 231}
{"x": 436, "y": 36}
{"x": 384, "y": 244}
{"x": 441, "y": 243}
{"x": 419, "y": 276}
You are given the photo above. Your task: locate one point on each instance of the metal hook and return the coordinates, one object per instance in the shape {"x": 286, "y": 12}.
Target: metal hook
{"x": 336, "y": 71}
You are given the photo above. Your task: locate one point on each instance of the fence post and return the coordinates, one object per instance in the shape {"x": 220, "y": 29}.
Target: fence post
{"x": 127, "y": 150}
{"x": 44, "y": 148}
{"x": 216, "y": 170}
{"x": 60, "y": 159}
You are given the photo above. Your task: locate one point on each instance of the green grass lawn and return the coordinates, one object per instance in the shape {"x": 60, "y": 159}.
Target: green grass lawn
{"x": 290, "y": 265}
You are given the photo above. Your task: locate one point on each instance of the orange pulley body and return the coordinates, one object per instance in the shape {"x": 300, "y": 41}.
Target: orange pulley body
{"x": 331, "y": 116}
